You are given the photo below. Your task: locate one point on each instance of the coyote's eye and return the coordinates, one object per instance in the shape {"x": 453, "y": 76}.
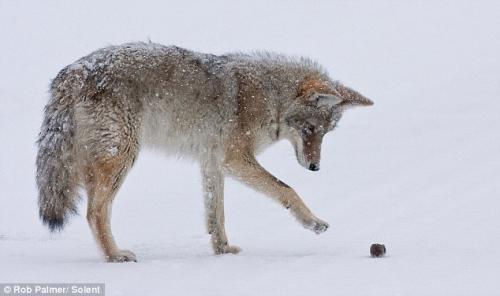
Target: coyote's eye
{"x": 308, "y": 129}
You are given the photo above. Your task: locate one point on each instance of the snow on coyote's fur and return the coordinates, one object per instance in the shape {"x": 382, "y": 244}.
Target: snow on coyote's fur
{"x": 219, "y": 110}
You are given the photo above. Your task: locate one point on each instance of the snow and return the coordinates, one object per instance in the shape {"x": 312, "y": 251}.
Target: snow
{"x": 418, "y": 172}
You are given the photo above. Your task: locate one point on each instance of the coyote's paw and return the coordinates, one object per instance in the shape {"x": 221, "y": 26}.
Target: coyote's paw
{"x": 227, "y": 249}
{"x": 318, "y": 226}
{"x": 122, "y": 256}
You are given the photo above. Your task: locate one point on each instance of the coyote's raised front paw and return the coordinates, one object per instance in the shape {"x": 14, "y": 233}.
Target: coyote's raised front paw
{"x": 122, "y": 256}
{"x": 318, "y": 226}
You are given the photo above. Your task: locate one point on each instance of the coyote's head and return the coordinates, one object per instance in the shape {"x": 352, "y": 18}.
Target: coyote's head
{"x": 313, "y": 113}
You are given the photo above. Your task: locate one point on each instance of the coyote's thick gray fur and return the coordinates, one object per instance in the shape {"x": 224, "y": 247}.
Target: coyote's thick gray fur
{"x": 219, "y": 110}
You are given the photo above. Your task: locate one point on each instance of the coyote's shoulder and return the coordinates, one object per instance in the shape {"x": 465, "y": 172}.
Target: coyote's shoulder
{"x": 217, "y": 109}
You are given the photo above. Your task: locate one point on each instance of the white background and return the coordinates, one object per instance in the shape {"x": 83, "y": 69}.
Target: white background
{"x": 419, "y": 171}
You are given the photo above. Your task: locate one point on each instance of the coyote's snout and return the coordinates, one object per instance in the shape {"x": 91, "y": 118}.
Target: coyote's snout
{"x": 219, "y": 110}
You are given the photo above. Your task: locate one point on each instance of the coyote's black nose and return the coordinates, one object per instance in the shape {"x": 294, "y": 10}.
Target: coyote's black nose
{"x": 313, "y": 167}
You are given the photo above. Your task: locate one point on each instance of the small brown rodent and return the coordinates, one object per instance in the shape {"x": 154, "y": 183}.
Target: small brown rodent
{"x": 377, "y": 250}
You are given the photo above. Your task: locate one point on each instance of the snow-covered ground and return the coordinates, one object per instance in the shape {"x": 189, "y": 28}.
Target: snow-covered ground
{"x": 419, "y": 171}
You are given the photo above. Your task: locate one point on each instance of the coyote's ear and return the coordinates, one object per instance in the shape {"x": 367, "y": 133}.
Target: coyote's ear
{"x": 327, "y": 100}
{"x": 352, "y": 98}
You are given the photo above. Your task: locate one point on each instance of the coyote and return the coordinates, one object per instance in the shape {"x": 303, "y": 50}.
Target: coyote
{"x": 219, "y": 110}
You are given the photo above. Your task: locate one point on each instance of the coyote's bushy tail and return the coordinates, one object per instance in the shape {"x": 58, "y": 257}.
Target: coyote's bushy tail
{"x": 55, "y": 176}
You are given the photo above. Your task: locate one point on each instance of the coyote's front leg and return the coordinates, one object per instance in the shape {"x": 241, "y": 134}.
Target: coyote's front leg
{"x": 245, "y": 168}
{"x": 213, "y": 193}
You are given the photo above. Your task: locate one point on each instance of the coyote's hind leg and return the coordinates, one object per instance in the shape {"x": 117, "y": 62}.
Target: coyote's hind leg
{"x": 213, "y": 193}
{"x": 103, "y": 181}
